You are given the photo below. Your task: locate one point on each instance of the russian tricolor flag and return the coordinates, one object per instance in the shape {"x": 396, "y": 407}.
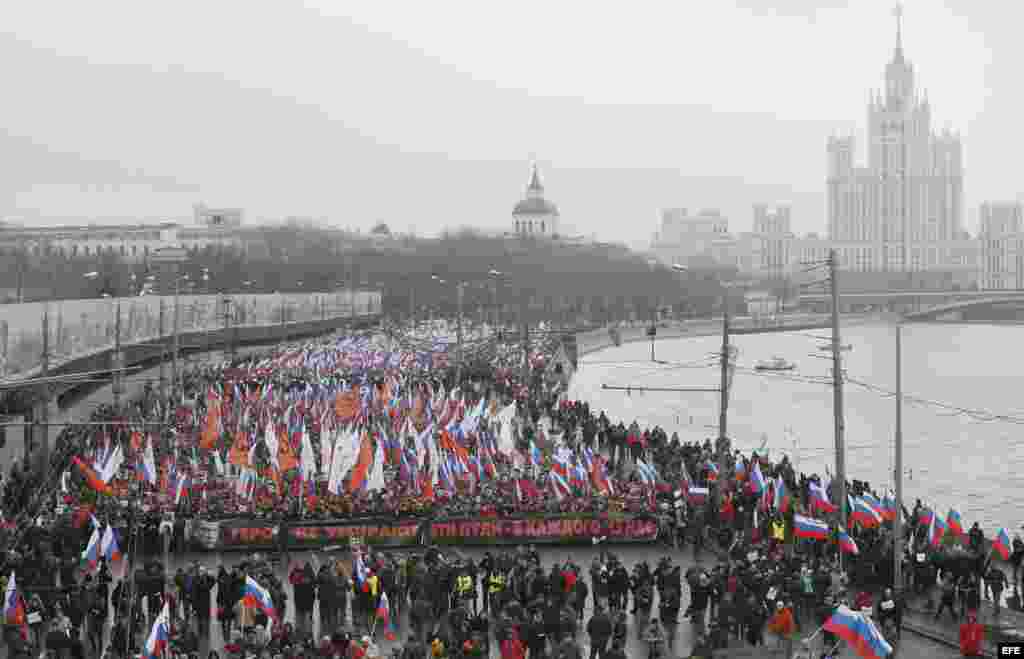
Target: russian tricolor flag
{"x": 156, "y": 644}
{"x": 808, "y": 527}
{"x": 846, "y": 543}
{"x": 888, "y": 509}
{"x": 756, "y": 479}
{"x": 698, "y": 495}
{"x": 819, "y": 499}
{"x": 858, "y": 630}
{"x": 956, "y": 526}
{"x": 1002, "y": 544}
{"x": 255, "y": 595}
{"x": 864, "y": 513}
{"x": 14, "y": 608}
{"x": 384, "y": 615}
{"x": 109, "y": 547}
{"x": 781, "y": 495}
{"x": 936, "y": 530}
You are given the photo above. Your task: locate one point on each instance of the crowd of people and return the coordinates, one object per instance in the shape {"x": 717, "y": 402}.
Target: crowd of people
{"x": 431, "y": 441}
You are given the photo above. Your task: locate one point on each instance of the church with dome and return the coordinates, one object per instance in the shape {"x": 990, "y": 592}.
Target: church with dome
{"x": 534, "y": 215}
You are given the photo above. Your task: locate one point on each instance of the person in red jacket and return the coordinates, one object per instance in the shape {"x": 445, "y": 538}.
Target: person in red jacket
{"x": 972, "y": 637}
{"x": 512, "y": 647}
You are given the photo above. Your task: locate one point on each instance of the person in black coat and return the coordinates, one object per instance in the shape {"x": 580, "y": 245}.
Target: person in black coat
{"x": 202, "y": 589}
{"x": 600, "y": 631}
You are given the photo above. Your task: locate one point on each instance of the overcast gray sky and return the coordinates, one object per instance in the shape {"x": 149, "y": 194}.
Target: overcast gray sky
{"x": 424, "y": 114}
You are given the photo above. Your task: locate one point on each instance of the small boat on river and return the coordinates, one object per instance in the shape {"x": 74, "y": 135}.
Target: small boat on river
{"x": 775, "y": 364}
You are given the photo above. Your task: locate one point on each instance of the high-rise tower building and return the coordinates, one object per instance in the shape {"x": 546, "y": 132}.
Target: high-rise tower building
{"x": 904, "y": 209}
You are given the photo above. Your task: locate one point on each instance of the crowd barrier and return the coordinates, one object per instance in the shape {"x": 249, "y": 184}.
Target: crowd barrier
{"x": 558, "y": 529}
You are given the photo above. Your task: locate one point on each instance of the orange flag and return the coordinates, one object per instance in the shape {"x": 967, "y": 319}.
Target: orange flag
{"x": 92, "y": 478}
{"x": 239, "y": 453}
{"x": 211, "y": 432}
{"x": 286, "y": 457}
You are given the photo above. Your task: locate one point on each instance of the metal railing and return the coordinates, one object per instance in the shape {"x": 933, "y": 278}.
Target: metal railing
{"x": 81, "y": 327}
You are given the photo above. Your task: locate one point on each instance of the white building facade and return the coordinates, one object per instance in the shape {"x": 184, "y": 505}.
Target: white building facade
{"x": 1001, "y": 234}
{"x": 900, "y": 213}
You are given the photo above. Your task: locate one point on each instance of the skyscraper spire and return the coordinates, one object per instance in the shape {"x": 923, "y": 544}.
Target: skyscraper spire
{"x": 898, "y": 13}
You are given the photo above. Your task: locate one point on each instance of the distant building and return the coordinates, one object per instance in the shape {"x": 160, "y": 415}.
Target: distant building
{"x": 217, "y": 217}
{"x": 900, "y": 214}
{"x": 682, "y": 238}
{"x": 534, "y": 215}
{"x": 1001, "y": 234}
{"x": 903, "y": 212}
{"x": 130, "y": 242}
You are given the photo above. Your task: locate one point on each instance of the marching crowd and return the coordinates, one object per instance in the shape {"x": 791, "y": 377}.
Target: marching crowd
{"x": 767, "y": 579}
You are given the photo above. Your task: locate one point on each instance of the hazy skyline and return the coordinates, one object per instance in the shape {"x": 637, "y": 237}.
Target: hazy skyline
{"x": 425, "y": 116}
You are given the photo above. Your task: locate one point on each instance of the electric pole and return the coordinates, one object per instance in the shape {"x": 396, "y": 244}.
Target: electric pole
{"x": 897, "y": 527}
{"x": 44, "y": 428}
{"x": 163, "y": 353}
{"x": 117, "y": 388}
{"x": 723, "y": 405}
{"x": 837, "y": 389}
{"x": 174, "y": 336}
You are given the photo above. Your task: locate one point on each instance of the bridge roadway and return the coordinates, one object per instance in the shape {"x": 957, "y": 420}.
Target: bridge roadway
{"x": 912, "y": 645}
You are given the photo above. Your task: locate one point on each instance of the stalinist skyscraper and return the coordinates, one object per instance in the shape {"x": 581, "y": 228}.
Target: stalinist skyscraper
{"x": 903, "y": 212}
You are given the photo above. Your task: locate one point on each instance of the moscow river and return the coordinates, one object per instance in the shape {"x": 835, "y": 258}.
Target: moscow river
{"x": 963, "y": 414}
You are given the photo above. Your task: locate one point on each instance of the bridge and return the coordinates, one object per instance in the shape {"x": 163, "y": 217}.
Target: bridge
{"x": 1001, "y": 308}
{"x": 918, "y": 304}
{"x": 82, "y": 336}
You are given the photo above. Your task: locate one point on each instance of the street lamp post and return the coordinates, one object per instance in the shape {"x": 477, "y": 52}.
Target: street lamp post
{"x": 495, "y": 276}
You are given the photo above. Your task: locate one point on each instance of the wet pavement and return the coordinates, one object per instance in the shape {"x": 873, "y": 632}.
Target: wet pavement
{"x": 912, "y": 645}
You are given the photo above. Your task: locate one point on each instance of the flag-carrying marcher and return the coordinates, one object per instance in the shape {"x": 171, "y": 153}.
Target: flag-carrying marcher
{"x": 1001, "y": 544}
{"x": 888, "y": 510}
{"x": 819, "y": 499}
{"x": 149, "y": 463}
{"x": 781, "y": 495}
{"x": 936, "y": 530}
{"x": 256, "y": 595}
{"x": 14, "y": 608}
{"x": 384, "y": 615}
{"x": 846, "y": 543}
{"x": 159, "y": 635}
{"x": 756, "y": 479}
{"x": 858, "y": 630}
{"x": 741, "y": 470}
{"x": 862, "y": 512}
{"x": 956, "y": 526}
{"x": 91, "y": 477}
{"x": 91, "y": 555}
{"x": 109, "y": 547}
{"x": 535, "y": 457}
{"x": 808, "y": 527}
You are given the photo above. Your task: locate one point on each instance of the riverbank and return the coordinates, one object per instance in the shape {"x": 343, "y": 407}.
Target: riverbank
{"x": 600, "y": 339}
